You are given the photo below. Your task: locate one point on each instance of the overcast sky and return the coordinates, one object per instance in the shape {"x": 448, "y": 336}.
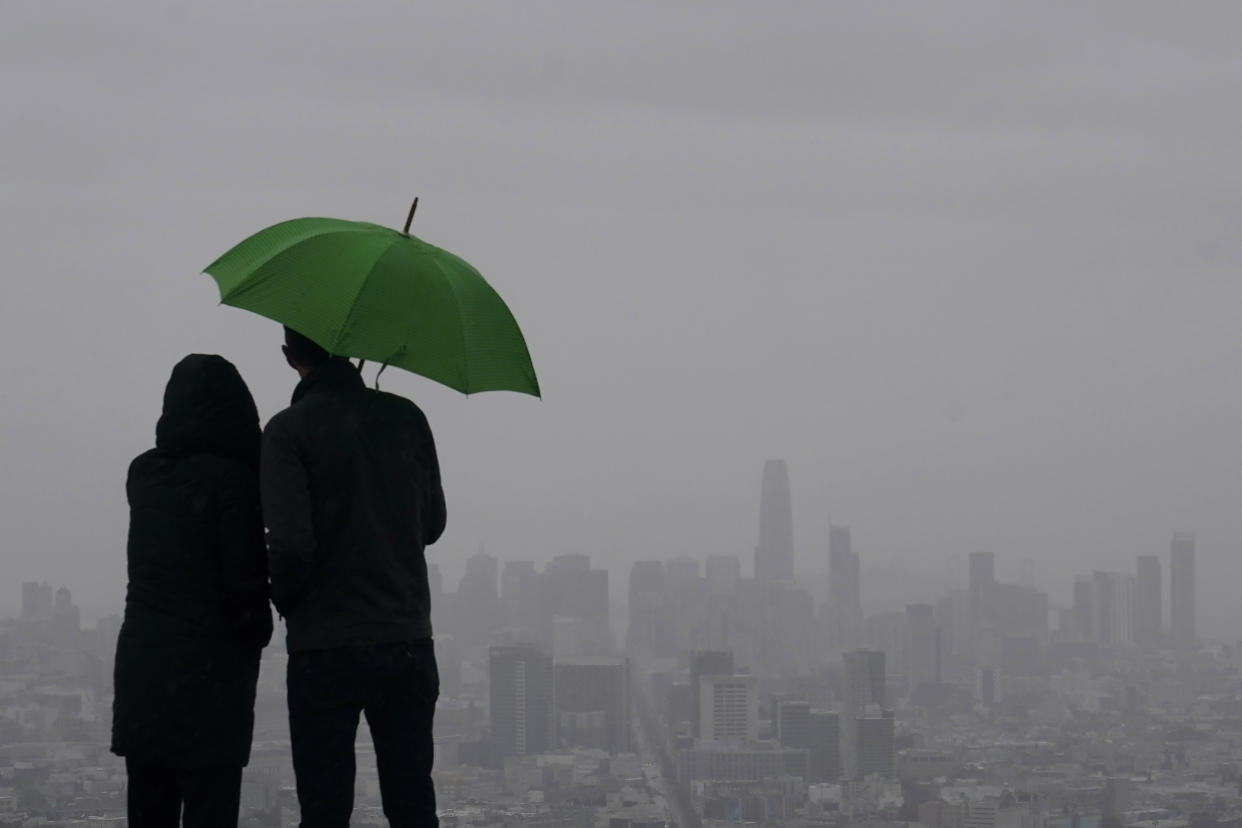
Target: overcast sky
{"x": 971, "y": 269}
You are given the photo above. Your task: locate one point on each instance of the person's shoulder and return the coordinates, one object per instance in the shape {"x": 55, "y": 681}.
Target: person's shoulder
{"x": 398, "y": 403}
{"x": 145, "y": 462}
{"x": 155, "y": 471}
{"x": 281, "y": 419}
{"x": 390, "y": 398}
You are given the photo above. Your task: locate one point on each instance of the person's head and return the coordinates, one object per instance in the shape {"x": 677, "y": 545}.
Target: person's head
{"x": 302, "y": 353}
{"x": 208, "y": 408}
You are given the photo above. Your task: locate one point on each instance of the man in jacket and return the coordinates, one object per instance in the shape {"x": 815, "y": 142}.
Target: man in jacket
{"x": 351, "y": 496}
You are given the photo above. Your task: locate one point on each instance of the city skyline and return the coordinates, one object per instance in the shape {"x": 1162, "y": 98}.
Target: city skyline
{"x": 532, "y": 671}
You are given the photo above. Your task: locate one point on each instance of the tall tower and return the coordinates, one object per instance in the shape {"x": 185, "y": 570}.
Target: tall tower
{"x": 982, "y": 575}
{"x": 844, "y": 591}
{"x": 774, "y": 556}
{"x": 1148, "y": 606}
{"x": 1112, "y": 607}
{"x": 1182, "y": 590}
{"x": 521, "y": 687}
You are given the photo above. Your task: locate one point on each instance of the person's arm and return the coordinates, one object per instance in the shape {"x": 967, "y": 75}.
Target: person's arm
{"x": 287, "y": 516}
{"x": 433, "y": 509}
{"x": 243, "y": 562}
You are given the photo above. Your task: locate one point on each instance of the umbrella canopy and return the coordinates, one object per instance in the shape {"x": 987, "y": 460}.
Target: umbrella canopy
{"x": 366, "y": 291}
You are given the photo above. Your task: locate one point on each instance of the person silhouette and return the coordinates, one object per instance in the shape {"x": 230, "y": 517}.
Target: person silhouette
{"x": 351, "y": 498}
{"x": 196, "y": 605}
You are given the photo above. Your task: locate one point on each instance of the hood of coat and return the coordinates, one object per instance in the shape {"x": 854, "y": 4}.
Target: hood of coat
{"x": 209, "y": 410}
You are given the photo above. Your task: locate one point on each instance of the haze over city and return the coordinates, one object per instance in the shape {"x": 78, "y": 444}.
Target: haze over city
{"x": 970, "y": 270}
{"x": 888, "y": 463}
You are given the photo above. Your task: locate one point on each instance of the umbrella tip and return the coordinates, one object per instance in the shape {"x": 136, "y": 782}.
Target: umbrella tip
{"x": 410, "y": 218}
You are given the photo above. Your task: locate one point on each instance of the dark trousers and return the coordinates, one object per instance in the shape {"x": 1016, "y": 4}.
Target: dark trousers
{"x": 396, "y": 686}
{"x": 163, "y": 797}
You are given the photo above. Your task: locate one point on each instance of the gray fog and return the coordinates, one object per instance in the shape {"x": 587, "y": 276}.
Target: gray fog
{"x": 970, "y": 269}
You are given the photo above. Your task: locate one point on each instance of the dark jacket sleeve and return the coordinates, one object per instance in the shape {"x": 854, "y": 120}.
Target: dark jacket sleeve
{"x": 243, "y": 559}
{"x": 291, "y": 548}
{"x": 434, "y": 515}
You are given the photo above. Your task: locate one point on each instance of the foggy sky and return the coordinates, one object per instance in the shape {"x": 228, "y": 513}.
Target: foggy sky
{"x": 972, "y": 270}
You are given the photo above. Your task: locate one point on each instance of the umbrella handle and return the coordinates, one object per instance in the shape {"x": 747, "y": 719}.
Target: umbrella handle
{"x": 361, "y": 363}
{"x": 377, "y": 373}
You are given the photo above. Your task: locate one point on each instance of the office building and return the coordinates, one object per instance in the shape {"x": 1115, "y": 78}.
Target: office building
{"x": 824, "y": 727}
{"x": 1112, "y": 608}
{"x": 476, "y": 609}
{"x": 1148, "y": 604}
{"x": 574, "y": 600}
{"x": 865, "y": 677}
{"x": 705, "y": 663}
{"x": 729, "y": 708}
{"x": 792, "y": 719}
{"x": 735, "y": 762}
{"x": 876, "y": 744}
{"x": 982, "y": 576}
{"x": 1182, "y": 591}
{"x": 592, "y": 703}
{"x": 520, "y": 695}
{"x": 774, "y": 556}
{"x": 844, "y": 610}
{"x": 683, "y": 576}
{"x": 1017, "y": 611}
{"x": 864, "y": 689}
{"x": 649, "y": 633}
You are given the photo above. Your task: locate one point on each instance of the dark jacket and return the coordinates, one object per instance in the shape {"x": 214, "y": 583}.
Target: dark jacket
{"x": 351, "y": 496}
{"x": 196, "y": 611}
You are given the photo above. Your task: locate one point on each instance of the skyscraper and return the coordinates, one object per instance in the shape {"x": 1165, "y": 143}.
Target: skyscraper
{"x": 1182, "y": 590}
{"x": 844, "y": 610}
{"x": 825, "y": 745}
{"x": 729, "y": 708}
{"x": 574, "y": 601}
{"x": 1148, "y": 604}
{"x": 649, "y": 633}
{"x": 521, "y": 597}
{"x": 774, "y": 556}
{"x": 793, "y": 719}
{"x": 1112, "y": 608}
{"x": 520, "y": 695}
{"x": 876, "y": 744}
{"x": 865, "y": 679}
{"x": 982, "y": 575}
{"x": 705, "y": 663}
{"x": 593, "y": 703}
{"x": 476, "y": 610}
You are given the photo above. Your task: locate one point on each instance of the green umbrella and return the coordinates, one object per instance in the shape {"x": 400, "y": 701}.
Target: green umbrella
{"x": 366, "y": 291}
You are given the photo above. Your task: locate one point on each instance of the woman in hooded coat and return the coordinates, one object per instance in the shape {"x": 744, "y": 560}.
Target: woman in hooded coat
{"x": 196, "y": 607}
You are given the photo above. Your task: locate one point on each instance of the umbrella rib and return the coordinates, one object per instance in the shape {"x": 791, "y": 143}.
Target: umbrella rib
{"x": 461, "y": 327}
{"x": 353, "y": 306}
